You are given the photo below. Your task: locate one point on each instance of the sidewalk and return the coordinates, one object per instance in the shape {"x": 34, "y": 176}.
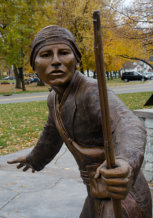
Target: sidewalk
{"x": 55, "y": 192}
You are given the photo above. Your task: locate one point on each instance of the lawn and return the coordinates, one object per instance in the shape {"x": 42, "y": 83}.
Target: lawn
{"x": 10, "y": 89}
{"x": 119, "y": 82}
{"x": 135, "y": 100}
{"x": 22, "y": 123}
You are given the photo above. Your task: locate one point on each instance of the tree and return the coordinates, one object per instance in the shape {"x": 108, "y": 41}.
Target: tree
{"x": 135, "y": 26}
{"x": 80, "y": 22}
{"x": 19, "y": 20}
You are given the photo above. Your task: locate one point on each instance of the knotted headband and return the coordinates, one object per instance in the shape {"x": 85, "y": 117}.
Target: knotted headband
{"x": 53, "y": 34}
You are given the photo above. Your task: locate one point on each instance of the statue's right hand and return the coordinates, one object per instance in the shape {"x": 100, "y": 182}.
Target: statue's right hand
{"x": 22, "y": 162}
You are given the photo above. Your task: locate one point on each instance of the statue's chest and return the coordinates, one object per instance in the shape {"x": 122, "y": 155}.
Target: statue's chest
{"x": 79, "y": 126}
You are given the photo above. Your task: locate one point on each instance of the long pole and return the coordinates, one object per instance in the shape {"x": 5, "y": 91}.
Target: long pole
{"x": 106, "y": 125}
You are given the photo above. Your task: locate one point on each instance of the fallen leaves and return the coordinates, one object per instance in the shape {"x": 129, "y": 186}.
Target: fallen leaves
{"x": 21, "y": 125}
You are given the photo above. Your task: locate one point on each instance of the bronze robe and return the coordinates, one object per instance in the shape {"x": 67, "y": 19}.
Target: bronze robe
{"x": 79, "y": 115}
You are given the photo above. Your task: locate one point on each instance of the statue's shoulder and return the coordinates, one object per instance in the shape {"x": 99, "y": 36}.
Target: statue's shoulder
{"x": 87, "y": 82}
{"x": 88, "y": 90}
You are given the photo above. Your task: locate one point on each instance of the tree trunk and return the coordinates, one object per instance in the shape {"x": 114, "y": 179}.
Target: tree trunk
{"x": 107, "y": 73}
{"x": 22, "y": 78}
{"x": 115, "y": 74}
{"x": 111, "y": 76}
{"x": 81, "y": 68}
{"x": 0, "y": 75}
{"x": 17, "y": 76}
{"x": 94, "y": 75}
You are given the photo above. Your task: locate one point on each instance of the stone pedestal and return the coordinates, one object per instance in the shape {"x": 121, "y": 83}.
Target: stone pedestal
{"x": 146, "y": 116}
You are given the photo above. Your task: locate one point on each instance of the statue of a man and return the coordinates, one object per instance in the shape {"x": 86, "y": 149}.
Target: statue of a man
{"x": 75, "y": 118}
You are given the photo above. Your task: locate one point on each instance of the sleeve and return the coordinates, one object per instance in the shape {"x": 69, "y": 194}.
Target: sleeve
{"x": 129, "y": 135}
{"x": 49, "y": 143}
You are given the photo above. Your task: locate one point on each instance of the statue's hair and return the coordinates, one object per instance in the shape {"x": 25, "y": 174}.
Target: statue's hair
{"x": 53, "y": 34}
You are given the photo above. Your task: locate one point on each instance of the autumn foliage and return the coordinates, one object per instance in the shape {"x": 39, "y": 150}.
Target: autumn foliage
{"x": 123, "y": 35}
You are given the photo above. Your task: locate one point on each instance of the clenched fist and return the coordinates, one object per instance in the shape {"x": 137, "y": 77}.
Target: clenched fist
{"x": 117, "y": 180}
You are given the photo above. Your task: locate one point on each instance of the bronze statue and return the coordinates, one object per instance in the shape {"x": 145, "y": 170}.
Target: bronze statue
{"x": 75, "y": 118}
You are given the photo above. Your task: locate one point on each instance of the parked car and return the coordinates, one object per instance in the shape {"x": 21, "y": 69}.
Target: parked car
{"x": 8, "y": 78}
{"x": 31, "y": 80}
{"x": 131, "y": 76}
{"x": 148, "y": 75}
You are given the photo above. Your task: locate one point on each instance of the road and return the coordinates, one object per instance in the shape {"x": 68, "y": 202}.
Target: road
{"x": 144, "y": 87}
{"x": 39, "y": 96}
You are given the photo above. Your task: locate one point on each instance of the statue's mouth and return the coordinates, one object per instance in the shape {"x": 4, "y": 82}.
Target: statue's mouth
{"x": 56, "y": 73}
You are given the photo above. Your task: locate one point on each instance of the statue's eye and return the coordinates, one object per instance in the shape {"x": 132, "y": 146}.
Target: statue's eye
{"x": 64, "y": 52}
{"x": 45, "y": 54}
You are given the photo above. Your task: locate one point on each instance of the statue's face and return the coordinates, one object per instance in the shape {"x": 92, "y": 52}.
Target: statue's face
{"x": 55, "y": 64}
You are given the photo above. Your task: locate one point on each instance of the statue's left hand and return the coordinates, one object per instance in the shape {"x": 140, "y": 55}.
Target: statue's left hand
{"x": 22, "y": 162}
{"x": 117, "y": 180}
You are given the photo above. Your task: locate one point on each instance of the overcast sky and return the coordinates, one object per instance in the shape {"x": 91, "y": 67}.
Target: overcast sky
{"x": 127, "y": 2}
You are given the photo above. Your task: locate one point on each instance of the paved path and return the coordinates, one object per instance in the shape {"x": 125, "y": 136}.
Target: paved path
{"x": 144, "y": 87}
{"x": 55, "y": 192}
{"x": 39, "y": 96}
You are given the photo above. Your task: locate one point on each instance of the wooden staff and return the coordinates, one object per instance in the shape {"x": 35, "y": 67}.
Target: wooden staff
{"x": 106, "y": 125}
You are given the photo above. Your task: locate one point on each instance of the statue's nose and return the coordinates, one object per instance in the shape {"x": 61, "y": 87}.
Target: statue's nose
{"x": 55, "y": 60}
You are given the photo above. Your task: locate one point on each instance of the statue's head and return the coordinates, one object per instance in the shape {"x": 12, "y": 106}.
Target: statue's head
{"x": 55, "y": 55}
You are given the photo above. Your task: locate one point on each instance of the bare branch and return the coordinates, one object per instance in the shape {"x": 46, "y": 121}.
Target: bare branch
{"x": 138, "y": 59}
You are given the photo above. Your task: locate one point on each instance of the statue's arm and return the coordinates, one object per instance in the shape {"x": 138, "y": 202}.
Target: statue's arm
{"x": 46, "y": 148}
{"x": 129, "y": 138}
{"x": 119, "y": 179}
{"x": 129, "y": 135}
{"x": 49, "y": 143}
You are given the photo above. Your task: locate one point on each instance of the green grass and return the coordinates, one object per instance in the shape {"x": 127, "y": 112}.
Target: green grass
{"x": 10, "y": 88}
{"x": 119, "y": 82}
{"x": 7, "y": 81}
{"x": 22, "y": 123}
{"x": 23, "y": 92}
{"x": 135, "y": 100}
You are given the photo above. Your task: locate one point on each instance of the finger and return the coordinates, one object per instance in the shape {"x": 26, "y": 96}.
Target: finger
{"x": 97, "y": 175}
{"x": 13, "y": 161}
{"x": 26, "y": 168}
{"x": 117, "y": 190}
{"x": 33, "y": 171}
{"x": 20, "y": 165}
{"x": 117, "y": 196}
{"x": 116, "y": 182}
{"x": 18, "y": 160}
{"x": 117, "y": 172}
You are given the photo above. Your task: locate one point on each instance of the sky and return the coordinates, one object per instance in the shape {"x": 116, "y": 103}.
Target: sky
{"x": 127, "y": 2}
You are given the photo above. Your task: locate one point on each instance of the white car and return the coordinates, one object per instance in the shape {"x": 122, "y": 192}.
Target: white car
{"x": 148, "y": 75}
